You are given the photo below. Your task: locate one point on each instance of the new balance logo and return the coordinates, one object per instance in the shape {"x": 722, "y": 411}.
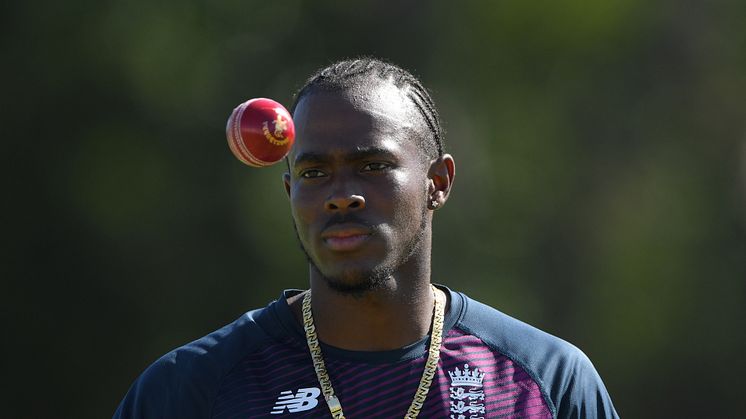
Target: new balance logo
{"x": 304, "y": 399}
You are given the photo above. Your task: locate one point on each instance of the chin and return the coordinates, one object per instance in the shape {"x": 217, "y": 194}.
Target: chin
{"x": 356, "y": 282}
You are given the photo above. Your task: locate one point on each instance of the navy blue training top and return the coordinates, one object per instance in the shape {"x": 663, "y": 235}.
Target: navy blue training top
{"x": 491, "y": 366}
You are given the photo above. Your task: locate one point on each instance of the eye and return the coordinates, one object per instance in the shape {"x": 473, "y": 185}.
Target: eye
{"x": 375, "y": 167}
{"x": 312, "y": 173}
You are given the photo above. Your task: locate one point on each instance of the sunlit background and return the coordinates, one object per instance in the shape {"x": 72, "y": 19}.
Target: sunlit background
{"x": 600, "y": 191}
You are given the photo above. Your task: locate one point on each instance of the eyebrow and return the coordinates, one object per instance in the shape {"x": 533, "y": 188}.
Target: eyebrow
{"x": 361, "y": 153}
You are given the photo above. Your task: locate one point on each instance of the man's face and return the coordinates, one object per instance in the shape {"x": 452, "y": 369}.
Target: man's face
{"x": 358, "y": 184}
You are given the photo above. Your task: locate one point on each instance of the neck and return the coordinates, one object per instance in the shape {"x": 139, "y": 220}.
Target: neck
{"x": 393, "y": 315}
{"x": 386, "y": 318}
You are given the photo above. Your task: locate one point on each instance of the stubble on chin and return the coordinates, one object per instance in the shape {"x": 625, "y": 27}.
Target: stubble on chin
{"x": 356, "y": 284}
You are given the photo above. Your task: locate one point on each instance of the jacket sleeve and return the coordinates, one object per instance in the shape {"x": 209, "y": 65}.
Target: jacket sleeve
{"x": 165, "y": 391}
{"x": 184, "y": 383}
{"x": 585, "y": 395}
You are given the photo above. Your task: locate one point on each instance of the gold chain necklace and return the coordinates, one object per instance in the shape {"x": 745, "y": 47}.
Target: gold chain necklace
{"x": 431, "y": 365}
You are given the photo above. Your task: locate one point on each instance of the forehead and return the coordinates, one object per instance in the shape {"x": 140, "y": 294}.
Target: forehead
{"x": 334, "y": 122}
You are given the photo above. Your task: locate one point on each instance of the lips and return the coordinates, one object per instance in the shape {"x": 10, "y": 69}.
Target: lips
{"x": 345, "y": 237}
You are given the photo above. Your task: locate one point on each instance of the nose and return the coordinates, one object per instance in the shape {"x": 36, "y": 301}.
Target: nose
{"x": 344, "y": 203}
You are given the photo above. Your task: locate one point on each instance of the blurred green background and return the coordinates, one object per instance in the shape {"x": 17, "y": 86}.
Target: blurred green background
{"x": 601, "y": 188}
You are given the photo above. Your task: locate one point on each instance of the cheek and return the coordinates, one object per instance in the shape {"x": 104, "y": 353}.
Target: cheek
{"x": 410, "y": 195}
{"x": 301, "y": 207}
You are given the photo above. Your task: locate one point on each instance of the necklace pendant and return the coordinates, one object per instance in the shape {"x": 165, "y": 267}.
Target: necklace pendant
{"x": 334, "y": 406}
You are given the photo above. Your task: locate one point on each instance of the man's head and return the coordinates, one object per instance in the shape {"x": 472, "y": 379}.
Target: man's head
{"x": 365, "y": 173}
{"x": 362, "y": 75}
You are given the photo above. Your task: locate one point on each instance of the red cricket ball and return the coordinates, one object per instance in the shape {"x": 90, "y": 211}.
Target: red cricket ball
{"x": 260, "y": 132}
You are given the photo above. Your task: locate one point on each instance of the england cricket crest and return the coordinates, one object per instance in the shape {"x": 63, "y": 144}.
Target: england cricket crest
{"x": 467, "y": 396}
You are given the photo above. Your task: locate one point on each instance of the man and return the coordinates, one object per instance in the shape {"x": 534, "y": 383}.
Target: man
{"x": 372, "y": 337}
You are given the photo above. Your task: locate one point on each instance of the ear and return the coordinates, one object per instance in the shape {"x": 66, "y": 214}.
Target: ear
{"x": 286, "y": 180}
{"x": 441, "y": 174}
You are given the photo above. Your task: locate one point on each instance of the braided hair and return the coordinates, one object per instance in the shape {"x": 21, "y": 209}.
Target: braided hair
{"x": 362, "y": 72}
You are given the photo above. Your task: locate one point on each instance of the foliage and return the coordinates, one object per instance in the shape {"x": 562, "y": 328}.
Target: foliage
{"x": 600, "y": 195}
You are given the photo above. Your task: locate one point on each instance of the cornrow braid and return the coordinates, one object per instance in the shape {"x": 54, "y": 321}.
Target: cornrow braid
{"x": 361, "y": 72}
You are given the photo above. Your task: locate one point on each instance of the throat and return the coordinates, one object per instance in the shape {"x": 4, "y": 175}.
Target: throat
{"x": 371, "y": 323}
{"x": 358, "y": 333}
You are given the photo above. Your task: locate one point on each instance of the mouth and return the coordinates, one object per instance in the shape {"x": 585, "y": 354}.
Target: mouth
{"x": 345, "y": 237}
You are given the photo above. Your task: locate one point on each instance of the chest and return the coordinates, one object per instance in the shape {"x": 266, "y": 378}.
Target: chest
{"x": 471, "y": 381}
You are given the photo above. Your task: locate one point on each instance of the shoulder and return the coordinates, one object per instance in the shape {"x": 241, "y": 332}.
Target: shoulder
{"x": 183, "y": 382}
{"x": 564, "y": 373}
